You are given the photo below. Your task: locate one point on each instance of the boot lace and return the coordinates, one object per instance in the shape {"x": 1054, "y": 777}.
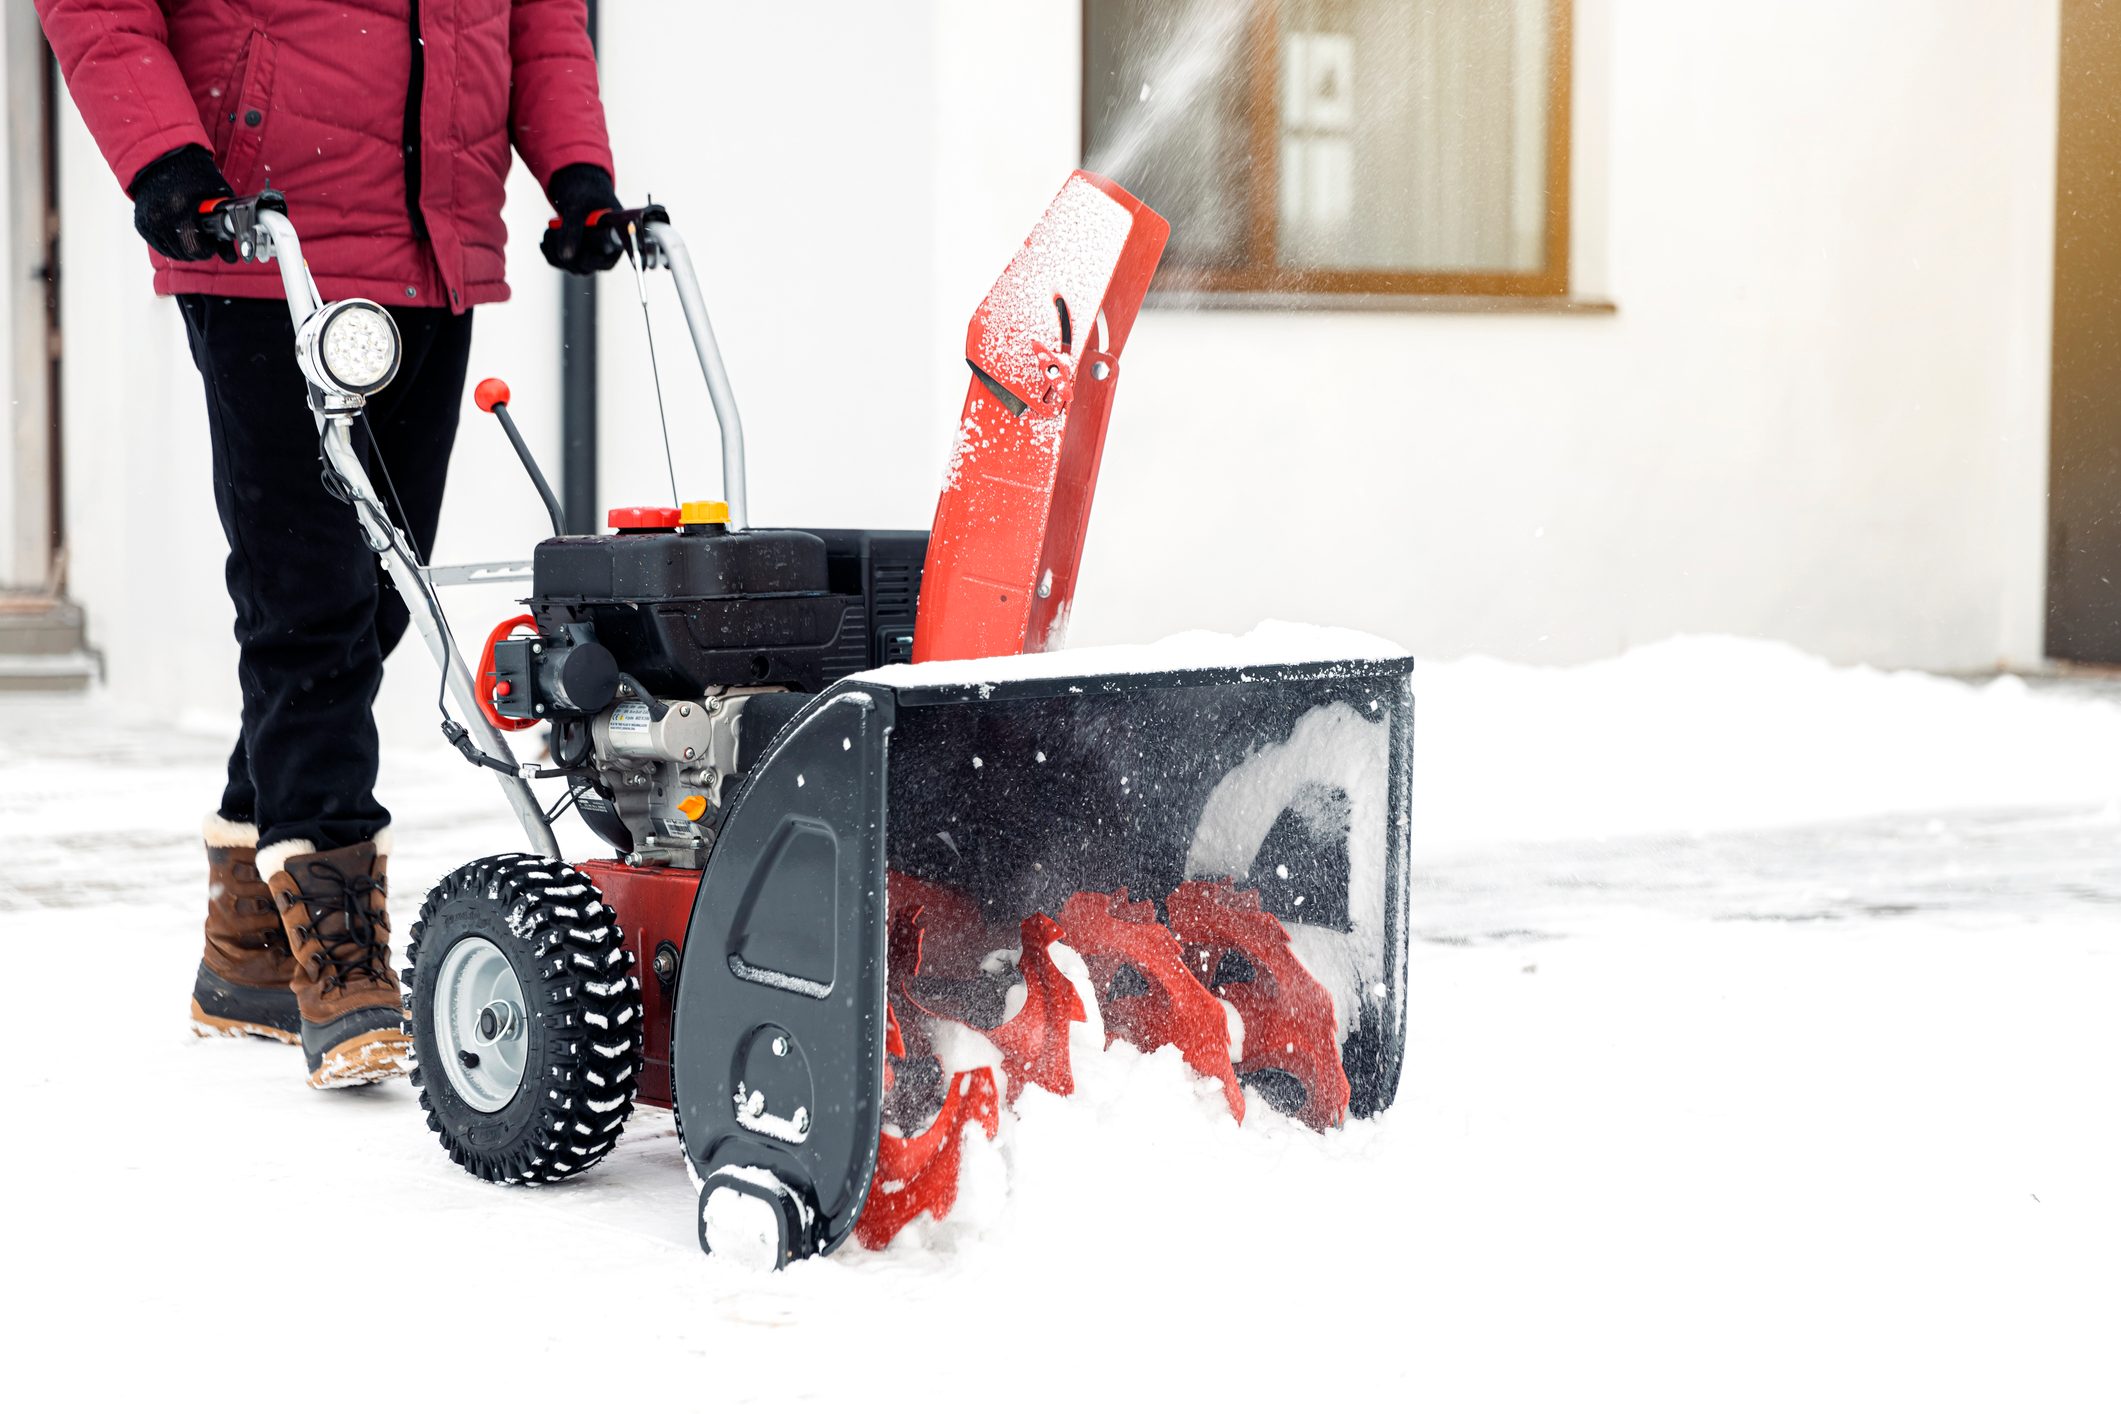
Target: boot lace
{"x": 353, "y": 949}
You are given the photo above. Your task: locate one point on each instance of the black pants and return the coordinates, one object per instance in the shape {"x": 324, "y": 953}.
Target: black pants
{"x": 314, "y": 616}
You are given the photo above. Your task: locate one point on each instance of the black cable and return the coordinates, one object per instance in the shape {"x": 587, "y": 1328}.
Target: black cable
{"x": 562, "y": 756}
{"x": 390, "y": 483}
{"x": 458, "y": 735}
{"x": 568, "y": 797}
{"x": 456, "y": 732}
{"x": 656, "y": 372}
{"x": 657, "y": 708}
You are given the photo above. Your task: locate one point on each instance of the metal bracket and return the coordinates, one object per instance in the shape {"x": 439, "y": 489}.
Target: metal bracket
{"x": 252, "y": 238}
{"x": 486, "y": 572}
{"x": 1056, "y": 368}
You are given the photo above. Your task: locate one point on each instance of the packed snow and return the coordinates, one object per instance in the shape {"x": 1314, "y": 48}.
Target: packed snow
{"x": 1763, "y": 1055}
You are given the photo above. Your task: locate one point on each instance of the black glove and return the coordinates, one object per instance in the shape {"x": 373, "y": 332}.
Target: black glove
{"x": 167, "y": 194}
{"x": 578, "y": 192}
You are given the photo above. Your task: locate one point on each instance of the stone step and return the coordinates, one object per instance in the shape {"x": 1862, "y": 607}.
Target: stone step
{"x": 44, "y": 646}
{"x": 41, "y": 626}
{"x": 47, "y": 672}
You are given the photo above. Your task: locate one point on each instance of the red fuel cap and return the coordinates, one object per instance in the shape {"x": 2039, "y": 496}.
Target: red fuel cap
{"x": 643, "y": 518}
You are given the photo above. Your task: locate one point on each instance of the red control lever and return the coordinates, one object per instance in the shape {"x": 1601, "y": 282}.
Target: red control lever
{"x": 492, "y": 396}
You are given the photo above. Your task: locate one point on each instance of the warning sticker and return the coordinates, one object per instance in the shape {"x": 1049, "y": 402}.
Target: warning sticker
{"x": 629, "y": 724}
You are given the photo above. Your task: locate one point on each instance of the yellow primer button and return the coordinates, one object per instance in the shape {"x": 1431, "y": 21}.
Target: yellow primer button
{"x": 704, "y": 513}
{"x": 693, "y": 806}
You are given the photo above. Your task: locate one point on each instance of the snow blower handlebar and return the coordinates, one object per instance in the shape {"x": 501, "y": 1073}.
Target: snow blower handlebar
{"x": 659, "y": 240}
{"x": 343, "y": 374}
{"x": 340, "y": 383}
{"x": 650, "y": 241}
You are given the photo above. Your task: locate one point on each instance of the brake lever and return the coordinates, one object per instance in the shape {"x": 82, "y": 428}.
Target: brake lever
{"x": 232, "y": 222}
{"x": 631, "y": 224}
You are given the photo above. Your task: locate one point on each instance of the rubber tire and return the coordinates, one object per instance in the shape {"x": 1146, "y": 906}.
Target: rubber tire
{"x": 584, "y": 1060}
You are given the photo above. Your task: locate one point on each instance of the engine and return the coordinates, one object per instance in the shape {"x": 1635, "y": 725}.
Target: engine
{"x": 669, "y": 652}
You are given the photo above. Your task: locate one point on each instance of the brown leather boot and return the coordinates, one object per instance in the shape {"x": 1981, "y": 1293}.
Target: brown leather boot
{"x": 245, "y": 981}
{"x": 333, "y": 905}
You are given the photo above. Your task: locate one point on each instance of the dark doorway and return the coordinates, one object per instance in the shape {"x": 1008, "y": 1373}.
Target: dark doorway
{"x": 2084, "y": 504}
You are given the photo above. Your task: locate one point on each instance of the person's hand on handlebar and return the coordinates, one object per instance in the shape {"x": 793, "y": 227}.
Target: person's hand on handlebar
{"x": 167, "y": 196}
{"x": 573, "y": 243}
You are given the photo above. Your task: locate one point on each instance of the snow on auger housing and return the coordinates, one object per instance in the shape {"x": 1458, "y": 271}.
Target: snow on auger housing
{"x": 855, "y": 811}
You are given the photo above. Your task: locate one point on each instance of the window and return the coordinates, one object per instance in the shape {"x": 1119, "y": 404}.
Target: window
{"x": 1305, "y": 149}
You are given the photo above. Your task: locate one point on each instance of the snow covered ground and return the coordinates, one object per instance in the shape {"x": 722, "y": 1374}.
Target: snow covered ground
{"x": 1766, "y": 1053}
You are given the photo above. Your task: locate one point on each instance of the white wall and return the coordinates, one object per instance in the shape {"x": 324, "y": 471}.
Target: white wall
{"x": 17, "y": 564}
{"x": 1819, "y": 414}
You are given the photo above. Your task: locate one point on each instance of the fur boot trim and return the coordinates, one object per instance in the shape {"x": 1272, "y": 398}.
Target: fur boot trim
{"x": 228, "y": 834}
{"x": 273, "y": 858}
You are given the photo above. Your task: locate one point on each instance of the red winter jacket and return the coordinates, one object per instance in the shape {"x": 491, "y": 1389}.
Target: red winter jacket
{"x": 386, "y": 122}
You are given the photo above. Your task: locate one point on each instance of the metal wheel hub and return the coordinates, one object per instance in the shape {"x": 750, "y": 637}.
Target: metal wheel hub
{"x": 480, "y": 1025}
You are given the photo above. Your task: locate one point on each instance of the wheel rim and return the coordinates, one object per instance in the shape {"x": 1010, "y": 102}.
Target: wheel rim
{"x": 481, "y": 1026}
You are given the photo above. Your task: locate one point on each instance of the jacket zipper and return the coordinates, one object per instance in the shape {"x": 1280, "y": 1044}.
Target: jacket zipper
{"x": 413, "y": 86}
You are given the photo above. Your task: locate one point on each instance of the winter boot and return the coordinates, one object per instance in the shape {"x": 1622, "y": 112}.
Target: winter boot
{"x": 246, "y": 977}
{"x": 332, "y": 904}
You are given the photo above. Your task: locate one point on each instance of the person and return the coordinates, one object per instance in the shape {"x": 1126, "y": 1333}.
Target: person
{"x": 388, "y": 126}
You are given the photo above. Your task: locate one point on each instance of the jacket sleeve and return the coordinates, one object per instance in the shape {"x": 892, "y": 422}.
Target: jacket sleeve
{"x": 554, "y": 112}
{"x": 116, "y": 60}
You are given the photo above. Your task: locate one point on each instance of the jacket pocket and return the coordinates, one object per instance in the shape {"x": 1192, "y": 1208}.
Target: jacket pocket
{"x": 250, "y": 113}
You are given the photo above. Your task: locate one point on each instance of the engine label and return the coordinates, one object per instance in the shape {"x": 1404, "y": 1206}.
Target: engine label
{"x": 629, "y": 725}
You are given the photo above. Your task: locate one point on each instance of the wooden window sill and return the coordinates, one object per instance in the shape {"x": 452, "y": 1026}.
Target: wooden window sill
{"x": 1299, "y": 300}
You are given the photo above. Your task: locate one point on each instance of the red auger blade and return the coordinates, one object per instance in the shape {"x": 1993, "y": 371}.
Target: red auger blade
{"x": 1144, "y": 988}
{"x": 1157, "y": 986}
{"x": 919, "y": 1175}
{"x": 1034, "y": 1042}
{"x": 953, "y": 934}
{"x": 1241, "y": 953}
{"x": 894, "y": 1046}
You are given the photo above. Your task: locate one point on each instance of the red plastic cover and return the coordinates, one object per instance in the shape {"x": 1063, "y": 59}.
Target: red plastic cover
{"x": 643, "y": 518}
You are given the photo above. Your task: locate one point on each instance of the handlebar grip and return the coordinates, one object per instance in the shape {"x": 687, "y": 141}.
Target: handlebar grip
{"x": 624, "y": 221}
{"x": 594, "y": 218}
{"x": 229, "y": 221}
{"x": 214, "y": 218}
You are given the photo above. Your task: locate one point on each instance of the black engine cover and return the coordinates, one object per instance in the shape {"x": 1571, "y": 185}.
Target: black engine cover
{"x": 689, "y": 610}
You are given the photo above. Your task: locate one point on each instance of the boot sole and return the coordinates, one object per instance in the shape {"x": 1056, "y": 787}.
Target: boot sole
{"x": 212, "y": 1027}
{"x": 365, "y": 1059}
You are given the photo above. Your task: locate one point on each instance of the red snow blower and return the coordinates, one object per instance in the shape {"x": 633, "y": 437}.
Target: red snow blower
{"x": 858, "y": 817}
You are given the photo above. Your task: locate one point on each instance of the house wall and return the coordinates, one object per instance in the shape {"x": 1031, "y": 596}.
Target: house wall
{"x": 20, "y": 516}
{"x": 1818, "y": 414}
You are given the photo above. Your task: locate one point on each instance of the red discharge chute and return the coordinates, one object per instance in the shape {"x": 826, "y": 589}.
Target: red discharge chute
{"x": 1157, "y": 986}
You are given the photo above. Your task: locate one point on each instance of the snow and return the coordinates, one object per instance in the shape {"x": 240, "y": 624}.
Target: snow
{"x": 1721, "y": 734}
{"x": 1335, "y": 766}
{"x": 742, "y": 1228}
{"x": 1269, "y": 644}
{"x": 1763, "y": 1054}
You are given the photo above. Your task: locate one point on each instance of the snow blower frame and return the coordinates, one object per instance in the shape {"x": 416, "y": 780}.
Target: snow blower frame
{"x": 855, "y": 809}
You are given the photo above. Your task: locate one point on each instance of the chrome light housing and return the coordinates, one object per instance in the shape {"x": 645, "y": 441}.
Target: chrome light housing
{"x": 349, "y": 347}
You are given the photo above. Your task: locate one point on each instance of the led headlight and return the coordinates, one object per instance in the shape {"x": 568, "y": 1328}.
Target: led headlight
{"x": 351, "y": 347}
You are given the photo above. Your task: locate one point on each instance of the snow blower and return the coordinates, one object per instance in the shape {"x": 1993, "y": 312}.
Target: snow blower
{"x": 873, "y": 851}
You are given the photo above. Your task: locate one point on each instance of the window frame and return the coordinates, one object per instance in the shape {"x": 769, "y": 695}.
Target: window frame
{"x": 1260, "y": 282}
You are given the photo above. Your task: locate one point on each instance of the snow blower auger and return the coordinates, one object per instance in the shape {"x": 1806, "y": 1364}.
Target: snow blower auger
{"x": 875, "y": 852}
